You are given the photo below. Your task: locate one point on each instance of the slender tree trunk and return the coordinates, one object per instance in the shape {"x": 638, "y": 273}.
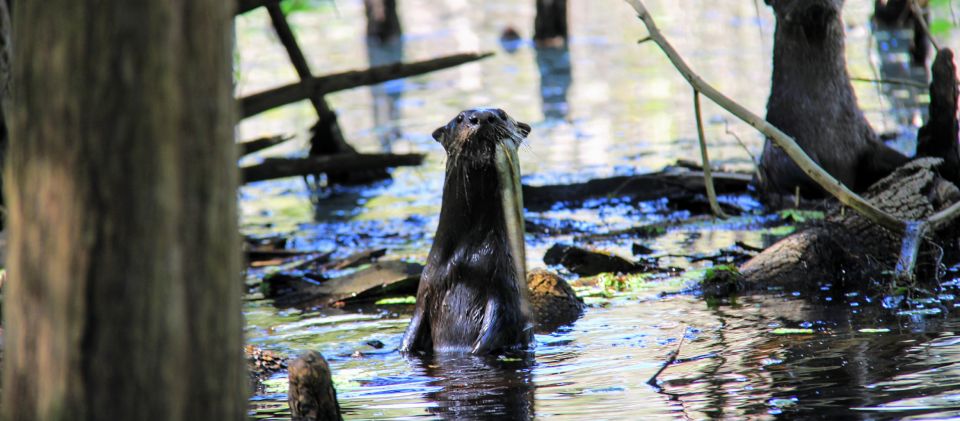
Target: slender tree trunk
{"x": 123, "y": 297}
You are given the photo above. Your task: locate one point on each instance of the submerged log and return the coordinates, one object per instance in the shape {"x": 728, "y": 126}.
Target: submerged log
{"x": 670, "y": 183}
{"x": 392, "y": 277}
{"x": 263, "y": 101}
{"x": 553, "y": 301}
{"x": 846, "y": 249}
{"x": 585, "y": 262}
{"x": 342, "y": 163}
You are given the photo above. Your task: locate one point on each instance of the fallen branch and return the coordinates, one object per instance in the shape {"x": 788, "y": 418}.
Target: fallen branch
{"x": 316, "y": 86}
{"x": 821, "y": 177}
{"x": 753, "y": 158}
{"x": 256, "y": 145}
{"x": 670, "y": 183}
{"x": 341, "y": 163}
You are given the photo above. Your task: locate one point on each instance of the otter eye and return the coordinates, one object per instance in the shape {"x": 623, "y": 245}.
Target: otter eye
{"x": 502, "y": 114}
{"x": 459, "y": 118}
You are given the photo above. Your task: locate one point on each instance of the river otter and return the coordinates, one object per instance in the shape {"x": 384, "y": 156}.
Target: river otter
{"x": 472, "y": 295}
{"x": 811, "y": 99}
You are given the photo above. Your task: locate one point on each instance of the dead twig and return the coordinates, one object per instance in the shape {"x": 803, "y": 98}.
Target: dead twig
{"x": 671, "y": 358}
{"x": 704, "y": 156}
{"x": 753, "y": 158}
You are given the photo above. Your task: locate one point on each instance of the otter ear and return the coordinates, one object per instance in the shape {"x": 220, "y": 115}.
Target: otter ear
{"x": 439, "y": 133}
{"x": 524, "y": 128}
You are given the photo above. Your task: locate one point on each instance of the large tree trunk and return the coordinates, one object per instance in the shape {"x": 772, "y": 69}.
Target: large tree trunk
{"x": 123, "y": 298}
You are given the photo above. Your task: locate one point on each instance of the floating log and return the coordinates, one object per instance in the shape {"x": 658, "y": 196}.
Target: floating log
{"x": 341, "y": 163}
{"x": 256, "y": 145}
{"x": 669, "y": 183}
{"x": 315, "y": 86}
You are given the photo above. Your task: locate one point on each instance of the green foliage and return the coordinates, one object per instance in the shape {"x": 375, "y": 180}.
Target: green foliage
{"x": 940, "y": 26}
{"x": 293, "y": 6}
{"x": 800, "y": 216}
{"x": 621, "y": 283}
{"x": 720, "y": 272}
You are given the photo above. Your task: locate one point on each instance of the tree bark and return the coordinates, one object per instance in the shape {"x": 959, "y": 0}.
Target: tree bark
{"x": 123, "y": 297}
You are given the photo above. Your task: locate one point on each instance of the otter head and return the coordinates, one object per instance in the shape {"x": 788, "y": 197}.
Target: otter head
{"x": 488, "y": 138}
{"x": 472, "y": 136}
{"x": 814, "y": 18}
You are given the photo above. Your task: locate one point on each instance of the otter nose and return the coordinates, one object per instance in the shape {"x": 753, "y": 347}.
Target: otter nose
{"x": 482, "y": 116}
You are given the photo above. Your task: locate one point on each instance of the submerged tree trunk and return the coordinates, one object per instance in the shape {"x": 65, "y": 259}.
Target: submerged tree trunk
{"x": 550, "y": 25}
{"x": 383, "y": 22}
{"x": 123, "y": 298}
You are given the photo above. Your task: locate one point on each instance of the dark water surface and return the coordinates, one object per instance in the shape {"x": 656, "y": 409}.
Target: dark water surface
{"x": 604, "y": 106}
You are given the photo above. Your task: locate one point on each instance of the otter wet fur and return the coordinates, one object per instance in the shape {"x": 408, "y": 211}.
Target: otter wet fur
{"x": 812, "y": 100}
{"x": 472, "y": 296}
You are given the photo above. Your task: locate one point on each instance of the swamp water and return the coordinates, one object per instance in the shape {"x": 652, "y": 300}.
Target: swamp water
{"x": 603, "y": 107}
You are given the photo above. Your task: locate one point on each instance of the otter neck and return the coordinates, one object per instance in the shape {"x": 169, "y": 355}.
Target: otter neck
{"x": 472, "y": 206}
{"x": 812, "y": 67}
